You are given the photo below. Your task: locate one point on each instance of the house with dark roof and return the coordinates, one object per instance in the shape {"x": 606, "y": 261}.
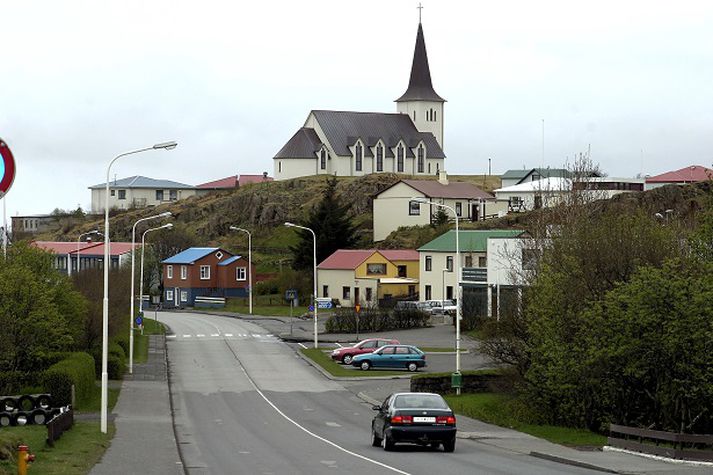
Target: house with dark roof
{"x": 394, "y": 207}
{"x": 366, "y": 276}
{"x": 515, "y": 177}
{"x": 138, "y": 192}
{"x": 85, "y": 255}
{"x": 204, "y": 272}
{"x": 231, "y": 182}
{"x": 344, "y": 143}
{"x": 689, "y": 174}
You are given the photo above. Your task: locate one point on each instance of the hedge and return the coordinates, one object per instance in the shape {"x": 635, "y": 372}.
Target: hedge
{"x": 477, "y": 381}
{"x": 376, "y": 320}
{"x": 13, "y": 382}
{"x": 78, "y": 370}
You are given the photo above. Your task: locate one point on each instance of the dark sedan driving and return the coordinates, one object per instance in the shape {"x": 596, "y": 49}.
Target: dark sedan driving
{"x": 415, "y": 418}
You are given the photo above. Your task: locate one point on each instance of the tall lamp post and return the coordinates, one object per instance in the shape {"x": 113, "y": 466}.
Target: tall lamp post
{"x": 133, "y": 293}
{"x": 459, "y": 291}
{"x": 250, "y": 264}
{"x": 141, "y": 274}
{"x": 79, "y": 239}
{"x": 107, "y": 263}
{"x": 314, "y": 299}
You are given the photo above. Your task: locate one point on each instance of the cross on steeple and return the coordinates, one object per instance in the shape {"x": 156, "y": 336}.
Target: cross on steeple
{"x": 420, "y": 7}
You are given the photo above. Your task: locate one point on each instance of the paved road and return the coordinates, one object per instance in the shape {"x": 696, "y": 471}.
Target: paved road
{"x": 244, "y": 402}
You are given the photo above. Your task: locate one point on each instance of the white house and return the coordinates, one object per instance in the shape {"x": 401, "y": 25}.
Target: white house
{"x": 515, "y": 176}
{"x": 536, "y": 194}
{"x": 344, "y": 143}
{"x": 139, "y": 192}
{"x": 394, "y": 207}
{"x": 510, "y": 262}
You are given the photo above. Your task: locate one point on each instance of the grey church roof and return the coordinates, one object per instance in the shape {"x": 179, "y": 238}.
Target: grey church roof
{"x": 342, "y": 129}
{"x": 304, "y": 144}
{"x": 419, "y": 85}
{"x": 144, "y": 182}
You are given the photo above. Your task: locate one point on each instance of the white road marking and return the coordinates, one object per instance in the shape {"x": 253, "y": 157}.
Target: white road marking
{"x": 340, "y": 346}
{"x": 187, "y": 336}
{"x": 256, "y": 336}
{"x": 215, "y": 334}
{"x": 228, "y": 334}
{"x": 333, "y": 424}
{"x": 307, "y": 431}
{"x": 303, "y": 347}
{"x": 170, "y": 336}
{"x": 269, "y": 335}
{"x": 200, "y": 335}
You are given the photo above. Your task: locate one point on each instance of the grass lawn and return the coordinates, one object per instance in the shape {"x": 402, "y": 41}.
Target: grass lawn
{"x": 505, "y": 411}
{"x": 141, "y": 342}
{"x": 241, "y": 306}
{"x": 75, "y": 452}
{"x": 320, "y": 357}
{"x": 93, "y": 404}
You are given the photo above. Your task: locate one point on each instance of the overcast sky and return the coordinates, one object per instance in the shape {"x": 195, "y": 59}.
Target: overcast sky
{"x": 232, "y": 81}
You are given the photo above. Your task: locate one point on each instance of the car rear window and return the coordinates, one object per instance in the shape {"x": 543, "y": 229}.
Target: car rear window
{"x": 402, "y": 350}
{"x": 419, "y": 401}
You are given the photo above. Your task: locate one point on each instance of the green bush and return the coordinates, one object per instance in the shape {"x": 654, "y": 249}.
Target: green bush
{"x": 375, "y": 320}
{"x": 13, "y": 382}
{"x": 123, "y": 342}
{"x": 78, "y": 370}
{"x": 115, "y": 366}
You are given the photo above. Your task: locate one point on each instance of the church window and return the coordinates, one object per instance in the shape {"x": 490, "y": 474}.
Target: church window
{"x": 323, "y": 159}
{"x": 429, "y": 168}
{"x": 400, "y": 159}
{"x": 434, "y": 116}
{"x": 414, "y": 116}
{"x": 379, "y": 158}
{"x": 279, "y": 167}
{"x": 420, "y": 154}
{"x": 359, "y": 155}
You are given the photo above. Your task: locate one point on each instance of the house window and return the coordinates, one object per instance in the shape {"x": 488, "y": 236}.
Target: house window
{"x": 172, "y": 195}
{"x": 376, "y": 269}
{"x": 449, "y": 292}
{"x": 169, "y": 295}
{"x": 205, "y": 272}
{"x": 482, "y": 261}
{"x": 184, "y": 272}
{"x": 122, "y": 194}
{"x": 368, "y": 294}
{"x": 323, "y": 159}
{"x": 346, "y": 293}
{"x": 159, "y": 195}
{"x": 169, "y": 272}
{"x": 411, "y": 290}
{"x": 449, "y": 263}
{"x": 428, "y": 292}
{"x": 401, "y": 271}
{"x": 429, "y": 168}
{"x": 459, "y": 208}
{"x": 469, "y": 261}
{"x": 113, "y": 192}
{"x": 240, "y": 273}
{"x": 400, "y": 159}
{"x": 414, "y": 208}
{"x": 379, "y": 158}
{"x": 358, "y": 154}
{"x": 325, "y": 291}
{"x": 429, "y": 263}
{"x": 421, "y": 154}
{"x": 184, "y": 296}
{"x": 279, "y": 167}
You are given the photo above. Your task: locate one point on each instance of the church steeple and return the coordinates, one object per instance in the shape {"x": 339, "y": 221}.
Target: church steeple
{"x": 420, "y": 87}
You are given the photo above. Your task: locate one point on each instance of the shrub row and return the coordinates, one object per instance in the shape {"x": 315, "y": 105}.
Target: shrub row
{"x": 78, "y": 370}
{"x": 116, "y": 360}
{"x": 478, "y": 381}
{"x": 14, "y": 382}
{"x": 344, "y": 320}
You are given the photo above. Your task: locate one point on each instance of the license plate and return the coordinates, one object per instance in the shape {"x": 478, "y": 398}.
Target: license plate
{"x": 424, "y": 419}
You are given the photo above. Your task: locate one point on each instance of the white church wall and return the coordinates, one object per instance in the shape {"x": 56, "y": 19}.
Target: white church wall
{"x": 287, "y": 168}
{"x": 417, "y": 110}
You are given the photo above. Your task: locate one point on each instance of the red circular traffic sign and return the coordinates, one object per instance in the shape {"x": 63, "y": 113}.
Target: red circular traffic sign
{"x": 7, "y": 168}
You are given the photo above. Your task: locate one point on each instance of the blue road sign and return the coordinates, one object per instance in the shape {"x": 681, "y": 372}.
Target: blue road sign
{"x": 291, "y": 294}
{"x": 311, "y": 308}
{"x": 139, "y": 320}
{"x": 324, "y": 304}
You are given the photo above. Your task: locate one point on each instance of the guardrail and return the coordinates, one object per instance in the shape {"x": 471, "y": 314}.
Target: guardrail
{"x": 209, "y": 302}
{"x": 698, "y": 447}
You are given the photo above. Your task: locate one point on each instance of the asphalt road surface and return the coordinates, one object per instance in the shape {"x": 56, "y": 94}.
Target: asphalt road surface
{"x": 245, "y": 403}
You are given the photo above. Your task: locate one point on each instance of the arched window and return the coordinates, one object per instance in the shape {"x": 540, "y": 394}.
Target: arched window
{"x": 358, "y": 156}
{"x": 379, "y": 158}
{"x": 421, "y": 158}
{"x": 400, "y": 159}
{"x": 323, "y": 159}
{"x": 434, "y": 116}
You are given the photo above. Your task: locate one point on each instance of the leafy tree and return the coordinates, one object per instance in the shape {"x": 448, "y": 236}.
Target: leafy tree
{"x": 331, "y": 224}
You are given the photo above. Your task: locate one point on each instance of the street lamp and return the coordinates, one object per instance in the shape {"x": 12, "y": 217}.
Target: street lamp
{"x": 79, "y": 239}
{"x": 105, "y": 303}
{"x": 459, "y": 291}
{"x": 133, "y": 295}
{"x": 141, "y": 274}
{"x": 314, "y": 298}
{"x": 250, "y": 263}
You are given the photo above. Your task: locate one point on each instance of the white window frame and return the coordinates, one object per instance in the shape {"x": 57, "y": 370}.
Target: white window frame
{"x": 427, "y": 264}
{"x": 169, "y": 271}
{"x": 205, "y": 275}
{"x": 184, "y": 296}
{"x": 241, "y": 274}
{"x": 169, "y": 295}
{"x": 184, "y": 272}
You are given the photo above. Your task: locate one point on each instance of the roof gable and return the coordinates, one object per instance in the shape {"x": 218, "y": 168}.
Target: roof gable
{"x": 552, "y": 184}
{"x": 304, "y": 144}
{"x": 470, "y": 240}
{"x": 350, "y": 259}
{"x": 689, "y": 174}
{"x": 454, "y": 189}
{"x": 191, "y": 255}
{"x": 144, "y": 182}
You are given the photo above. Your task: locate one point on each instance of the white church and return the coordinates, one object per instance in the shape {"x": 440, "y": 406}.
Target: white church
{"x": 343, "y": 143}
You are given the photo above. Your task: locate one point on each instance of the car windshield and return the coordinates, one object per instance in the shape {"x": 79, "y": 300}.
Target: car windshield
{"x": 419, "y": 401}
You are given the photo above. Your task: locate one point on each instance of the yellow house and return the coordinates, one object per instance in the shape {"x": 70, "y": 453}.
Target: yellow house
{"x": 365, "y": 276}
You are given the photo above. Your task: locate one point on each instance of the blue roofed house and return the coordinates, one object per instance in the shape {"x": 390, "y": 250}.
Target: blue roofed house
{"x": 139, "y": 192}
{"x": 204, "y": 272}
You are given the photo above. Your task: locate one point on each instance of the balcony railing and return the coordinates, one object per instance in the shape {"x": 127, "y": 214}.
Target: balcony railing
{"x": 475, "y": 274}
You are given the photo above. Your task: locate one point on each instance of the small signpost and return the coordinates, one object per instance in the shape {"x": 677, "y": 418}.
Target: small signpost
{"x": 324, "y": 303}
{"x": 357, "y": 310}
{"x": 291, "y": 296}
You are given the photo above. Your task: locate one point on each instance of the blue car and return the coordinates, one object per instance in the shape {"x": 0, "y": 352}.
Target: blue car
{"x": 392, "y": 357}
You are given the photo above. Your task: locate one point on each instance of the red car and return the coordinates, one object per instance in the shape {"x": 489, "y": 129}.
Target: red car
{"x": 346, "y": 354}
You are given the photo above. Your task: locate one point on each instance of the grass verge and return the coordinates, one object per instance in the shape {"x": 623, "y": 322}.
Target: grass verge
{"x": 93, "y": 404}
{"x": 141, "y": 342}
{"x": 507, "y": 411}
{"x": 335, "y": 369}
{"x": 76, "y": 452}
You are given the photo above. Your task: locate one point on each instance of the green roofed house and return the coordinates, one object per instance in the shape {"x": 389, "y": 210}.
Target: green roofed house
{"x": 438, "y": 266}
{"x": 515, "y": 177}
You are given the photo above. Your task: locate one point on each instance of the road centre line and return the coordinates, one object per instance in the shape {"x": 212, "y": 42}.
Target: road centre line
{"x": 303, "y": 347}
{"x": 304, "y": 429}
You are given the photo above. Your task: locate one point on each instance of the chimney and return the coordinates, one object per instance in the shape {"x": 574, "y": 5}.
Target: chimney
{"x": 442, "y": 177}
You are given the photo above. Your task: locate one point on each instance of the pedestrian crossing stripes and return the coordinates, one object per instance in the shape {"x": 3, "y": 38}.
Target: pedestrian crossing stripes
{"x": 218, "y": 336}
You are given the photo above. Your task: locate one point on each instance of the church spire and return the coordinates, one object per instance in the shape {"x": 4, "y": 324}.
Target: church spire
{"x": 419, "y": 85}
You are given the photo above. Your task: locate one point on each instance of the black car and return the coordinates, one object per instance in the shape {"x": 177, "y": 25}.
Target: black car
{"x": 416, "y": 418}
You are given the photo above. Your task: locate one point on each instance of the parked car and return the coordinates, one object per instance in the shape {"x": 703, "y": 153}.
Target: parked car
{"x": 448, "y": 307}
{"x": 345, "y": 355}
{"x": 406, "y": 304}
{"x": 416, "y": 418}
{"x": 392, "y": 356}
